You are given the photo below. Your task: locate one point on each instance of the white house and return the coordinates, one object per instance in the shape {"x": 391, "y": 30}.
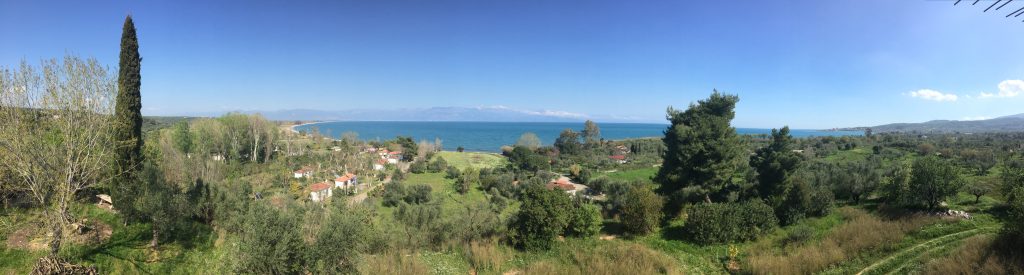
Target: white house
{"x": 620, "y": 159}
{"x": 346, "y": 181}
{"x": 379, "y": 164}
{"x": 320, "y": 191}
{"x": 302, "y": 173}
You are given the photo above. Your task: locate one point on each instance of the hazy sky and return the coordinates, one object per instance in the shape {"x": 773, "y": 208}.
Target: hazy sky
{"x": 808, "y": 64}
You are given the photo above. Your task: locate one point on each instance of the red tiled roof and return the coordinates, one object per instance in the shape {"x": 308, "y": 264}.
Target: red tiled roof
{"x": 345, "y": 178}
{"x": 561, "y": 183}
{"x": 381, "y": 161}
{"x": 394, "y": 153}
{"x": 317, "y": 187}
{"x": 617, "y": 157}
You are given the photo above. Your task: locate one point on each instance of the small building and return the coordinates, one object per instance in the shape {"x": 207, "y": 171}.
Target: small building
{"x": 563, "y": 183}
{"x": 346, "y": 181}
{"x": 395, "y": 155}
{"x": 320, "y": 191}
{"x": 620, "y": 159}
{"x": 303, "y": 173}
{"x": 379, "y": 164}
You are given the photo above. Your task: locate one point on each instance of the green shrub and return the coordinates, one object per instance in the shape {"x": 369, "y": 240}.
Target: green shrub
{"x": 542, "y": 216}
{"x": 438, "y": 165}
{"x": 584, "y": 221}
{"x": 641, "y": 210}
{"x": 418, "y": 167}
{"x": 269, "y": 243}
{"x": 710, "y": 223}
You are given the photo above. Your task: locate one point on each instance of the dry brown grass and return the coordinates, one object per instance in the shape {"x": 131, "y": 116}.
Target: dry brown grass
{"x": 486, "y": 255}
{"x": 977, "y": 255}
{"x": 624, "y": 258}
{"x": 394, "y": 263}
{"x": 608, "y": 258}
{"x": 861, "y": 233}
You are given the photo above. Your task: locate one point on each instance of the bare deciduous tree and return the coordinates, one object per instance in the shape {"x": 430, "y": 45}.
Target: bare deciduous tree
{"x": 55, "y": 125}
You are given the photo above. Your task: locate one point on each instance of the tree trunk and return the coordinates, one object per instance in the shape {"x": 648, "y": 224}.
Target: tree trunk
{"x": 156, "y": 239}
{"x": 58, "y": 237}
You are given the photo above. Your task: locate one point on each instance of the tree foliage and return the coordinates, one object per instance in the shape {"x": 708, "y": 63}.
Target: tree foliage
{"x": 932, "y": 180}
{"x": 127, "y": 124}
{"x": 529, "y": 141}
{"x": 702, "y": 148}
{"x": 774, "y": 165}
{"x": 542, "y": 216}
{"x": 640, "y": 211}
{"x": 710, "y": 223}
{"x": 584, "y": 220}
{"x": 55, "y": 134}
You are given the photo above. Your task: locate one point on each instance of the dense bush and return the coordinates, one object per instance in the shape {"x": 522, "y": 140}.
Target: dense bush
{"x": 345, "y": 236}
{"x": 542, "y": 216}
{"x": 438, "y": 165}
{"x": 452, "y": 172}
{"x": 710, "y": 223}
{"x": 640, "y": 211}
{"x": 396, "y": 192}
{"x": 584, "y": 220}
{"x": 269, "y": 243}
{"x": 418, "y": 167}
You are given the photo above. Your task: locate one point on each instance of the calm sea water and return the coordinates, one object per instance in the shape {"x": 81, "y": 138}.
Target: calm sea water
{"x": 490, "y": 136}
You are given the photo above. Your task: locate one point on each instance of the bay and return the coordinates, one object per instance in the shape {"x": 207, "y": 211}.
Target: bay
{"x": 490, "y": 136}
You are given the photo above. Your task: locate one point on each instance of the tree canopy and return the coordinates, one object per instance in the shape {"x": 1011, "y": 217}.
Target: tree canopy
{"x": 702, "y": 148}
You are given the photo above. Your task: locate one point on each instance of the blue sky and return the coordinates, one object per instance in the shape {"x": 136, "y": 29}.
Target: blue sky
{"x": 807, "y": 64}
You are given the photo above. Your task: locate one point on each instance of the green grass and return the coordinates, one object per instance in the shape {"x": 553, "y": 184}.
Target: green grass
{"x": 476, "y": 160}
{"x": 14, "y": 261}
{"x": 642, "y": 174}
{"x": 127, "y": 252}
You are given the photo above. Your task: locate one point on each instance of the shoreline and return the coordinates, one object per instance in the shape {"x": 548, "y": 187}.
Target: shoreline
{"x": 292, "y": 128}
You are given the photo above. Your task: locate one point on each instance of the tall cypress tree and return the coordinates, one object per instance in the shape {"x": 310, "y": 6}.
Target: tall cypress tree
{"x": 128, "y": 121}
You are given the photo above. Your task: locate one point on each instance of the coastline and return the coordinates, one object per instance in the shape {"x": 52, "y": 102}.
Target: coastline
{"x": 292, "y": 128}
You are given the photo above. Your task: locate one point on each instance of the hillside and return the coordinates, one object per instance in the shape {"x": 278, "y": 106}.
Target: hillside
{"x": 1012, "y": 123}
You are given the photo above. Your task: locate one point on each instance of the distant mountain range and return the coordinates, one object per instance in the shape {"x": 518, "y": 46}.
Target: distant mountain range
{"x": 492, "y": 114}
{"x": 1012, "y": 123}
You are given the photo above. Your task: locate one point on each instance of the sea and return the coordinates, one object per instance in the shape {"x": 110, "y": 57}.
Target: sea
{"x": 490, "y": 136}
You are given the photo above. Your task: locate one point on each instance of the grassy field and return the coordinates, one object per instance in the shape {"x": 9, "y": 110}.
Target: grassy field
{"x": 642, "y": 174}
{"x": 472, "y": 159}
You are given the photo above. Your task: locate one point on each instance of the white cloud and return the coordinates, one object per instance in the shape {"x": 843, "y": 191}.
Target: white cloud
{"x": 1007, "y": 88}
{"x": 548, "y": 113}
{"x": 929, "y": 94}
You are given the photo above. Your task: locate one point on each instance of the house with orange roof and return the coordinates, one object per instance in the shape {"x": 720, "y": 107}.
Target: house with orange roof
{"x": 346, "y": 181}
{"x": 320, "y": 191}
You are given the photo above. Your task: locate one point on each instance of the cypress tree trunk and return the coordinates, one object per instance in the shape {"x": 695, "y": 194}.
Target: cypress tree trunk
{"x": 128, "y": 120}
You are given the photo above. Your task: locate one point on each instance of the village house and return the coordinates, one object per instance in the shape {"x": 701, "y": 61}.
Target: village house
{"x": 620, "y": 159}
{"x": 305, "y": 172}
{"x": 563, "y": 183}
{"x": 394, "y": 157}
{"x": 320, "y": 191}
{"x": 379, "y": 164}
{"x": 346, "y": 181}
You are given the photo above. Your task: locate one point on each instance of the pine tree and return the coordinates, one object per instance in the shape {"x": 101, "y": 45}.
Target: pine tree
{"x": 703, "y": 151}
{"x": 128, "y": 121}
{"x": 774, "y": 164}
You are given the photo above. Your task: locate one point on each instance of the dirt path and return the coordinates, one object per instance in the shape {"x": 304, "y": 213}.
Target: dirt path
{"x": 924, "y": 248}
{"x": 359, "y": 198}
